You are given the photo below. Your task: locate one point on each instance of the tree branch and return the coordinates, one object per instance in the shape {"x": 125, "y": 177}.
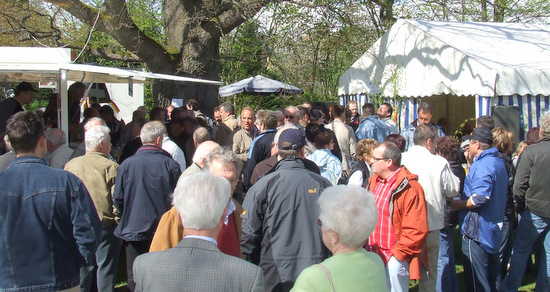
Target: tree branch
{"x": 115, "y": 21}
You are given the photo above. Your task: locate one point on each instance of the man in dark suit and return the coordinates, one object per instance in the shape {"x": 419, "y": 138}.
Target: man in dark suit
{"x": 196, "y": 263}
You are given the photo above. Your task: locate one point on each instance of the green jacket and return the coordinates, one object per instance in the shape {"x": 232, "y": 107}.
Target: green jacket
{"x": 98, "y": 174}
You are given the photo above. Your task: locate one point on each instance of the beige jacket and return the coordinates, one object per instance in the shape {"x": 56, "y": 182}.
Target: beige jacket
{"x": 346, "y": 142}
{"x": 98, "y": 174}
{"x": 242, "y": 140}
{"x": 224, "y": 137}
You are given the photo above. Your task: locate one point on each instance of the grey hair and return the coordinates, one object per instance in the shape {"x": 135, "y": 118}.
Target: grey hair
{"x": 151, "y": 131}
{"x": 56, "y": 136}
{"x": 545, "y": 125}
{"x": 222, "y": 155}
{"x": 349, "y": 211}
{"x": 201, "y": 135}
{"x": 203, "y": 150}
{"x": 228, "y": 107}
{"x": 392, "y": 152}
{"x": 424, "y": 132}
{"x": 292, "y": 107}
{"x": 424, "y": 107}
{"x": 95, "y": 135}
{"x": 94, "y": 120}
{"x": 201, "y": 199}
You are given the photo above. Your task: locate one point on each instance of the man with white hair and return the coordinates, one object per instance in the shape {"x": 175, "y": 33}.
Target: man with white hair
{"x": 60, "y": 153}
{"x": 291, "y": 116}
{"x": 81, "y": 148}
{"x": 200, "y": 155}
{"x": 196, "y": 263}
{"x": 143, "y": 192}
{"x": 98, "y": 173}
{"x": 220, "y": 162}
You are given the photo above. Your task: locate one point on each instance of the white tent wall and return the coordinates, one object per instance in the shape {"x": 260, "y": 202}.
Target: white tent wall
{"x": 462, "y": 69}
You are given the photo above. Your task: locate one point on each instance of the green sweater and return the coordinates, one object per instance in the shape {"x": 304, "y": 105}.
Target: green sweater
{"x": 351, "y": 271}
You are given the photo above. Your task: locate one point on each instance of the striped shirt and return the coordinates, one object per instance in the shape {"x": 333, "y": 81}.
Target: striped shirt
{"x": 382, "y": 240}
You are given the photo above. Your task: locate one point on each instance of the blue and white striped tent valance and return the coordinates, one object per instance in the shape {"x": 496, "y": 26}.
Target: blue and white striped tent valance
{"x": 531, "y": 107}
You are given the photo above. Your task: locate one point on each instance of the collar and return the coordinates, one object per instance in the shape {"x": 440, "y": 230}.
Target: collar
{"x": 390, "y": 179}
{"x": 254, "y": 132}
{"x": 230, "y": 208}
{"x": 96, "y": 153}
{"x": 206, "y": 238}
{"x": 153, "y": 148}
{"x": 28, "y": 159}
{"x": 228, "y": 118}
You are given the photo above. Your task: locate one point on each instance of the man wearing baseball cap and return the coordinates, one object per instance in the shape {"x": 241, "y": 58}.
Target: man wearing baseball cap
{"x": 280, "y": 233}
{"x": 483, "y": 202}
{"x": 24, "y": 93}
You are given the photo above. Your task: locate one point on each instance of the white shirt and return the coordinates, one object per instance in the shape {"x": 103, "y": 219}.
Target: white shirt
{"x": 356, "y": 178}
{"x": 175, "y": 151}
{"x": 435, "y": 177}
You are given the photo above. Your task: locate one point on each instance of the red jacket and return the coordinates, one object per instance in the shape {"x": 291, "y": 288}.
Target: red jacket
{"x": 410, "y": 222}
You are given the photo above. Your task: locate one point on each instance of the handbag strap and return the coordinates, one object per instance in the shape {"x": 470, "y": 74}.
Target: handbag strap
{"x": 327, "y": 274}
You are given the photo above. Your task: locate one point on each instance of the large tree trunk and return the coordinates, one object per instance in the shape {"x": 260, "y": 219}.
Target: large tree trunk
{"x": 194, "y": 29}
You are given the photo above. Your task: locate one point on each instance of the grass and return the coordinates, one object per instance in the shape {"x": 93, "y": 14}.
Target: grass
{"x": 529, "y": 279}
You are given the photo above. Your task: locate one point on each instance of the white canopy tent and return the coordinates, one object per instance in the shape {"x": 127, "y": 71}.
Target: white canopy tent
{"x": 53, "y": 65}
{"x": 495, "y": 63}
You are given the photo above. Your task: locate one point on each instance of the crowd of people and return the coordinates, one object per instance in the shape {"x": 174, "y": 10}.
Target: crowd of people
{"x": 305, "y": 198}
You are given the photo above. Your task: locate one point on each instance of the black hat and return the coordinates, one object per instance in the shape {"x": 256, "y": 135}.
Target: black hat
{"x": 482, "y": 135}
{"x": 315, "y": 114}
{"x": 292, "y": 136}
{"x": 24, "y": 86}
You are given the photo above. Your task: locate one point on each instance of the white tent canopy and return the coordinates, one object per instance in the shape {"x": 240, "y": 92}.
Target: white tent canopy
{"x": 53, "y": 64}
{"x": 426, "y": 58}
{"x": 258, "y": 84}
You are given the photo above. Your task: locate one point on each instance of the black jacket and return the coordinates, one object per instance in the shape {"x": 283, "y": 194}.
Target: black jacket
{"x": 531, "y": 187}
{"x": 260, "y": 151}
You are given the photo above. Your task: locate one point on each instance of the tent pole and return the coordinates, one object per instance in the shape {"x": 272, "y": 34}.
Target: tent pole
{"x": 63, "y": 106}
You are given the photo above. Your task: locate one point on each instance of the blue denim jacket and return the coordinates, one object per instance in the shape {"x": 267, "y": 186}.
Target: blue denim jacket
{"x": 372, "y": 128}
{"x": 49, "y": 227}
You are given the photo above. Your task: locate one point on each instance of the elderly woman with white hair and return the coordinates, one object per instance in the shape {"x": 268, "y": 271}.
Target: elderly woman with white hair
{"x": 348, "y": 215}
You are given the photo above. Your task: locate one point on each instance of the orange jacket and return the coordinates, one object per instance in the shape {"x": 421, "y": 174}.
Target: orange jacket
{"x": 170, "y": 230}
{"x": 410, "y": 222}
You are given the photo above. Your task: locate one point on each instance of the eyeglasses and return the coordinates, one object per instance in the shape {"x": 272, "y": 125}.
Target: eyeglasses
{"x": 289, "y": 117}
{"x": 378, "y": 159}
{"x": 319, "y": 222}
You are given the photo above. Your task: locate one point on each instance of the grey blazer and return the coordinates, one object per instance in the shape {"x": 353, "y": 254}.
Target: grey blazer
{"x": 195, "y": 265}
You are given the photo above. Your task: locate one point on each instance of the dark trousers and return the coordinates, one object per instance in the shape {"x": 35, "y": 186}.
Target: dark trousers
{"x": 104, "y": 267}
{"x": 133, "y": 250}
{"x": 481, "y": 269}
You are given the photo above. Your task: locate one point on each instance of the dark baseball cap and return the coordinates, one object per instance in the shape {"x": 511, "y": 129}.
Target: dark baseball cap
{"x": 293, "y": 139}
{"x": 23, "y": 87}
{"x": 483, "y": 135}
